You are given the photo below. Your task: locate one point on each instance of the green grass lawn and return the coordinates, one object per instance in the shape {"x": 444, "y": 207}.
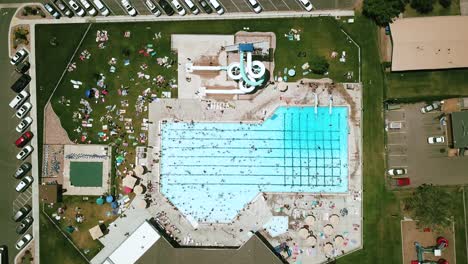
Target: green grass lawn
{"x": 452, "y": 10}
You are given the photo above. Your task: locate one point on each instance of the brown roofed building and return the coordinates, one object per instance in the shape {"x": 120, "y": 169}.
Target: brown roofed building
{"x": 49, "y": 193}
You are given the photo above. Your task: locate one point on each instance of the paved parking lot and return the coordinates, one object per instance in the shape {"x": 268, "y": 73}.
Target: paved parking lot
{"x": 408, "y": 148}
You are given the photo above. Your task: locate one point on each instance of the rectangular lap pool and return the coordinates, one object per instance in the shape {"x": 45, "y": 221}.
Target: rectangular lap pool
{"x": 210, "y": 171}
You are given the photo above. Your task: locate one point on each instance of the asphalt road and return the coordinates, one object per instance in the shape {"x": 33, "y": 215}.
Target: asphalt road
{"x": 8, "y": 196}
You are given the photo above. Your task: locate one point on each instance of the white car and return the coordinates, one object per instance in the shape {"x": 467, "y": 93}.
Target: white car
{"x": 436, "y": 140}
{"x": 89, "y": 8}
{"x": 24, "y": 110}
{"x": 24, "y": 124}
{"x": 19, "y": 100}
{"x": 101, "y": 7}
{"x": 130, "y": 10}
{"x": 19, "y": 56}
{"x": 307, "y": 5}
{"x": 397, "y": 171}
{"x": 217, "y": 6}
{"x": 24, "y": 184}
{"x": 193, "y": 8}
{"x": 180, "y": 10}
{"x": 152, "y": 8}
{"x": 431, "y": 107}
{"x": 256, "y": 6}
{"x": 25, "y": 152}
{"x": 23, "y": 241}
{"x": 76, "y": 8}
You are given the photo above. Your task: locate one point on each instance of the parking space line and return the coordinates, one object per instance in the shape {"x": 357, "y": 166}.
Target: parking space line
{"x": 397, "y": 155}
{"x": 125, "y": 11}
{"x": 286, "y": 4}
{"x": 273, "y": 4}
{"x": 111, "y": 11}
{"x": 250, "y": 7}
{"x": 396, "y": 132}
{"x": 395, "y": 144}
{"x": 238, "y": 9}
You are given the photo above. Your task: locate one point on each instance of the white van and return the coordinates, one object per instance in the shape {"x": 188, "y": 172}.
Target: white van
{"x": 193, "y": 8}
{"x": 179, "y": 8}
{"x": 19, "y": 100}
{"x": 255, "y": 6}
{"x": 101, "y": 7}
{"x": 217, "y": 6}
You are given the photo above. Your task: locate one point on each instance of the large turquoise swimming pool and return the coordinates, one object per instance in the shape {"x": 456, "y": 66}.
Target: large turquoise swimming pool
{"x": 210, "y": 171}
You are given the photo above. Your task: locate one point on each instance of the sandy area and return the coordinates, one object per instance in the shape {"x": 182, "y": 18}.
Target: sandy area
{"x": 412, "y": 234}
{"x": 53, "y": 130}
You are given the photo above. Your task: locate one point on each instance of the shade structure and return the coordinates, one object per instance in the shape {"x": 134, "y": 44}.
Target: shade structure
{"x": 309, "y": 220}
{"x": 114, "y": 205}
{"x": 291, "y": 72}
{"x": 127, "y": 190}
{"x": 109, "y": 199}
{"x": 311, "y": 241}
{"x": 328, "y": 230}
{"x": 139, "y": 170}
{"x": 138, "y": 189}
{"x": 339, "y": 241}
{"x": 140, "y": 203}
{"x": 334, "y": 219}
{"x": 96, "y": 232}
{"x": 100, "y": 201}
{"x": 303, "y": 233}
{"x": 328, "y": 248}
{"x": 129, "y": 182}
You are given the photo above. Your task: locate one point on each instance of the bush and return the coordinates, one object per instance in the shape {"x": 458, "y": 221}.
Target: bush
{"x": 383, "y": 11}
{"x": 445, "y": 3}
{"x": 423, "y": 6}
{"x": 319, "y": 65}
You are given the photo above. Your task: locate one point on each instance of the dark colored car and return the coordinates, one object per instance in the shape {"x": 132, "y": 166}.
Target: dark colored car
{"x": 21, "y": 83}
{"x": 23, "y": 67}
{"x": 22, "y": 213}
{"x": 166, "y": 7}
{"x": 22, "y": 170}
{"x": 24, "y": 225}
{"x": 205, "y": 6}
{"x": 4, "y": 254}
{"x": 51, "y": 9}
{"x": 24, "y": 139}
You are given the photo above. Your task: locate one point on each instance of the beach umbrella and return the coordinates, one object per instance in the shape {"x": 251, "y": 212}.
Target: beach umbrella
{"x": 291, "y": 72}
{"x": 100, "y": 201}
{"x": 303, "y": 233}
{"x": 114, "y": 205}
{"x": 127, "y": 190}
{"x": 328, "y": 248}
{"x": 334, "y": 219}
{"x": 339, "y": 241}
{"x": 109, "y": 199}
{"x": 139, "y": 170}
{"x": 309, "y": 220}
{"x": 88, "y": 93}
{"x": 311, "y": 241}
{"x": 138, "y": 189}
{"x": 328, "y": 230}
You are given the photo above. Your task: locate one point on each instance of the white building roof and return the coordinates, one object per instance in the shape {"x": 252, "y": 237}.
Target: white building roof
{"x": 135, "y": 245}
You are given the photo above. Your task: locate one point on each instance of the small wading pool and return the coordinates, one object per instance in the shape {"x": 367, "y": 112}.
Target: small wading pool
{"x": 210, "y": 171}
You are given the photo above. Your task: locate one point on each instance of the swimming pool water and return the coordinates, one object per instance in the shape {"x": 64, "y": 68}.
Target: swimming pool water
{"x": 212, "y": 170}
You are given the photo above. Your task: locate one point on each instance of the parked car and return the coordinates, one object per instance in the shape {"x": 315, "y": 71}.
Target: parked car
{"x": 88, "y": 7}
{"x": 400, "y": 182}
{"x": 23, "y": 110}
{"x": 436, "y": 140}
{"x": 76, "y": 8}
{"x": 23, "y": 67}
{"x": 22, "y": 170}
{"x": 19, "y": 99}
{"x": 21, "y": 83}
{"x": 101, "y": 7}
{"x": 130, "y": 10}
{"x": 23, "y": 241}
{"x": 21, "y": 213}
{"x": 193, "y": 8}
{"x": 24, "y": 139}
{"x": 24, "y": 124}
{"x": 397, "y": 171}
{"x": 52, "y": 11}
{"x": 257, "y": 8}
{"x": 166, "y": 7}
{"x": 206, "y": 7}
{"x": 307, "y": 5}
{"x": 178, "y": 7}
{"x": 25, "y": 152}
{"x": 3, "y": 254}
{"x": 24, "y": 184}
{"x": 430, "y": 107}
{"x": 152, "y": 8}
{"x": 24, "y": 225}
{"x": 63, "y": 8}
{"x": 19, "y": 56}
{"x": 217, "y": 7}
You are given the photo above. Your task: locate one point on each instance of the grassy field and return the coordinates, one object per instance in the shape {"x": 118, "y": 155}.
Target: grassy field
{"x": 452, "y": 10}
{"x": 422, "y": 84}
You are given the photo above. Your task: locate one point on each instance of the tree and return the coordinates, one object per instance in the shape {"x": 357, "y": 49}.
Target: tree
{"x": 423, "y": 6}
{"x": 445, "y": 3}
{"x": 383, "y": 11}
{"x": 319, "y": 65}
{"x": 431, "y": 205}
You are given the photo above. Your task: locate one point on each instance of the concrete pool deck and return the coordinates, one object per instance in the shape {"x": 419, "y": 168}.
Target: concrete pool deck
{"x": 346, "y": 235}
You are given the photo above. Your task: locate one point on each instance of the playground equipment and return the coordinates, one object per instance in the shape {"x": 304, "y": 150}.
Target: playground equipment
{"x": 442, "y": 243}
{"x": 249, "y": 74}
